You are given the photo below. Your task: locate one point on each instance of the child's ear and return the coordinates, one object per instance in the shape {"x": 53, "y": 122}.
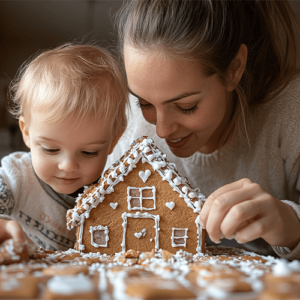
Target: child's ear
{"x": 236, "y": 68}
{"x": 115, "y": 141}
{"x": 24, "y": 130}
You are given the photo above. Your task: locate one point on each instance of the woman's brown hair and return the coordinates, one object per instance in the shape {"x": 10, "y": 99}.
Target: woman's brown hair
{"x": 212, "y": 31}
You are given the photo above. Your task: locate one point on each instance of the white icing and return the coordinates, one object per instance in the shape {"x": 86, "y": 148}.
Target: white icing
{"x": 170, "y": 205}
{"x": 173, "y": 237}
{"x": 197, "y": 205}
{"x": 9, "y": 284}
{"x": 144, "y": 175}
{"x": 114, "y": 205}
{"x": 106, "y": 232}
{"x": 140, "y": 198}
{"x": 141, "y": 234}
{"x": 140, "y": 215}
{"x": 177, "y": 180}
{"x": 281, "y": 268}
{"x": 70, "y": 284}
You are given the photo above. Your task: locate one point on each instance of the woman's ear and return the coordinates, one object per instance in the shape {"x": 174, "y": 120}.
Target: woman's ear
{"x": 25, "y": 131}
{"x": 115, "y": 141}
{"x": 236, "y": 68}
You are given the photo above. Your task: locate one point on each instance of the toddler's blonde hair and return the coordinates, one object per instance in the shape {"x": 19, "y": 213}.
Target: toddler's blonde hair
{"x": 71, "y": 80}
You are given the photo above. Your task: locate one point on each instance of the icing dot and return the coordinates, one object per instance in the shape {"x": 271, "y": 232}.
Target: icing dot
{"x": 192, "y": 195}
{"x": 146, "y": 149}
{"x": 156, "y": 166}
{"x": 177, "y": 181}
{"x": 168, "y": 174}
{"x": 185, "y": 189}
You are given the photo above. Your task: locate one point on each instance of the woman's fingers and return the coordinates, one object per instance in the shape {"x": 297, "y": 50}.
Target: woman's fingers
{"x": 226, "y": 198}
{"x": 240, "y": 216}
{"x": 205, "y": 211}
{"x": 253, "y": 230}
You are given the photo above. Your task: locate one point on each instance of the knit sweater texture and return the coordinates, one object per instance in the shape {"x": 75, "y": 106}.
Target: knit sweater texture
{"x": 33, "y": 204}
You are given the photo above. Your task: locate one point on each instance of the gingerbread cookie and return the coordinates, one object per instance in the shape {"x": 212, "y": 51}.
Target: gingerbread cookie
{"x": 12, "y": 252}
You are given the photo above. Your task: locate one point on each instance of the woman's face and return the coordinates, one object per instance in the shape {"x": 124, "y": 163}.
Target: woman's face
{"x": 190, "y": 110}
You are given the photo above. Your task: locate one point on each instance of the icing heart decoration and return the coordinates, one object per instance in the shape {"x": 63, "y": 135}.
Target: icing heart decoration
{"x": 170, "y": 205}
{"x": 144, "y": 175}
{"x": 114, "y": 205}
{"x": 140, "y": 234}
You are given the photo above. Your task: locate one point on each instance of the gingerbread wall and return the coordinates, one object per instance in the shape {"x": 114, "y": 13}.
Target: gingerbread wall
{"x": 181, "y": 216}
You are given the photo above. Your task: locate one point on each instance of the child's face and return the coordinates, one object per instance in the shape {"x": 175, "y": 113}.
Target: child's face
{"x": 190, "y": 110}
{"x": 64, "y": 155}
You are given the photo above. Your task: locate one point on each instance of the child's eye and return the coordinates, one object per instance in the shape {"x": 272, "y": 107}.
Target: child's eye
{"x": 189, "y": 110}
{"x": 50, "y": 151}
{"x": 89, "y": 154}
{"x": 143, "y": 106}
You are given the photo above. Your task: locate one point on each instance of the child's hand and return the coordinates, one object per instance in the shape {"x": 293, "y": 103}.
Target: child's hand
{"x": 10, "y": 229}
{"x": 243, "y": 210}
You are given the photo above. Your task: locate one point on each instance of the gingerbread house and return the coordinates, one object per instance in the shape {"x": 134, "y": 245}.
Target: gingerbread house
{"x": 140, "y": 203}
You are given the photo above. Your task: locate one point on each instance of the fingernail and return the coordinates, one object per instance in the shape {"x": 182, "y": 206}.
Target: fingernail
{"x": 238, "y": 240}
{"x": 217, "y": 242}
{"x": 222, "y": 236}
{"x": 230, "y": 238}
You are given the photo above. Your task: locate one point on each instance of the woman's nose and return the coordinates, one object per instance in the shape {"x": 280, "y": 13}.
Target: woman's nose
{"x": 68, "y": 164}
{"x": 165, "y": 125}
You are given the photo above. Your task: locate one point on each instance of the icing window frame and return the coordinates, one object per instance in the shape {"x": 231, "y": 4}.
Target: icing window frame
{"x": 141, "y": 198}
{"x": 106, "y": 232}
{"x": 173, "y": 237}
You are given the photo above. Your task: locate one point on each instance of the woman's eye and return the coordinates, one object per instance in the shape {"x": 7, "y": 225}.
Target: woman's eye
{"x": 89, "y": 154}
{"x": 143, "y": 106}
{"x": 188, "y": 111}
{"x": 50, "y": 151}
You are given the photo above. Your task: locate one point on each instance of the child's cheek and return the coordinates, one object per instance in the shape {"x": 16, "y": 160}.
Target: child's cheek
{"x": 42, "y": 165}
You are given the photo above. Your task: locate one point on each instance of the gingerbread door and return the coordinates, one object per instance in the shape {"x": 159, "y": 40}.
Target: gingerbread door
{"x": 140, "y": 231}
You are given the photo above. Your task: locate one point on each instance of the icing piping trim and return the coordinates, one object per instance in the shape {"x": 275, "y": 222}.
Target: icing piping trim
{"x": 141, "y": 216}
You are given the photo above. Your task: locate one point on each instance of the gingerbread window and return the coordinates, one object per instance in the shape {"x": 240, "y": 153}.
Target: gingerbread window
{"x": 99, "y": 236}
{"x": 141, "y": 198}
{"x": 179, "y": 237}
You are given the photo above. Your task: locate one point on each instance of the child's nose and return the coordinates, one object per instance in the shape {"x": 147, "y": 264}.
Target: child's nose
{"x": 68, "y": 164}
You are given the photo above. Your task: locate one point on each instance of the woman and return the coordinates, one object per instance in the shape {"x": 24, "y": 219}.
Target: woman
{"x": 218, "y": 80}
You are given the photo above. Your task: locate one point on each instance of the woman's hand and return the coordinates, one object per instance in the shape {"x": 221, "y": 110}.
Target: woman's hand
{"x": 10, "y": 229}
{"x": 243, "y": 210}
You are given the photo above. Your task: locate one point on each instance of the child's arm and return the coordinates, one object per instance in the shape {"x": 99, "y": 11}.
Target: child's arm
{"x": 243, "y": 210}
{"x": 10, "y": 229}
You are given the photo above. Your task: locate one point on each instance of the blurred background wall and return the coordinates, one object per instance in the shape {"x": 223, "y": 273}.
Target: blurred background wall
{"x": 29, "y": 26}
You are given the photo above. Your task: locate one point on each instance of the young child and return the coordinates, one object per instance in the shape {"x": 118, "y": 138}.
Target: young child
{"x": 70, "y": 102}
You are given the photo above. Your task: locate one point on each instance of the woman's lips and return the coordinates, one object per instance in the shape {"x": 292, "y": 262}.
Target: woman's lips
{"x": 178, "y": 143}
{"x": 66, "y": 181}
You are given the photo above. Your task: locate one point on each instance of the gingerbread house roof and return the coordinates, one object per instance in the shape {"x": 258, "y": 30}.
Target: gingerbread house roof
{"x": 145, "y": 149}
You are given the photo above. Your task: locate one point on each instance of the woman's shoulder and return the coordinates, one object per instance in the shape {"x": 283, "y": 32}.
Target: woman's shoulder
{"x": 289, "y": 98}
{"x": 282, "y": 108}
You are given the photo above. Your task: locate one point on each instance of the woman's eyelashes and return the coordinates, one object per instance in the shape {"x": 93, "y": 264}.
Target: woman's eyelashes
{"x": 188, "y": 111}
{"x": 185, "y": 111}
